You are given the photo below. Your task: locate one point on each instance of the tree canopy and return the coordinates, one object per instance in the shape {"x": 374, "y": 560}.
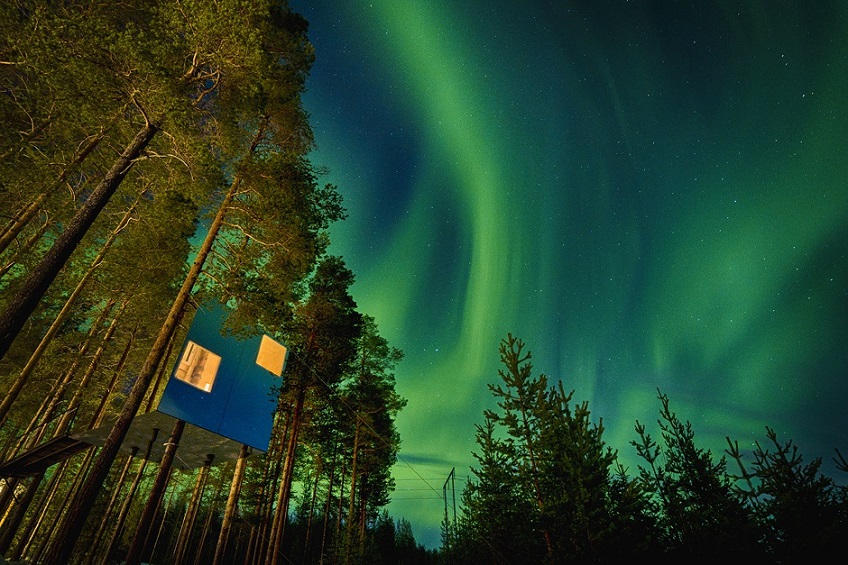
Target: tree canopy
{"x": 154, "y": 156}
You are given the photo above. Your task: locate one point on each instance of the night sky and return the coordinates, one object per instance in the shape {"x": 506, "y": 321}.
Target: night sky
{"x": 651, "y": 195}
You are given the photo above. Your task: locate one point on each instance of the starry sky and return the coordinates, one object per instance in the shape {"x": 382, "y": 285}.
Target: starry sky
{"x": 653, "y": 195}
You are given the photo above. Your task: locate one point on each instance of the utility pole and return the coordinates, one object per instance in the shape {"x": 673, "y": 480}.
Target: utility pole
{"x": 451, "y": 480}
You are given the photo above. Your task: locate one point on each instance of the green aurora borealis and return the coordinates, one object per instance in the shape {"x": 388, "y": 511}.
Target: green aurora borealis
{"x": 652, "y": 195}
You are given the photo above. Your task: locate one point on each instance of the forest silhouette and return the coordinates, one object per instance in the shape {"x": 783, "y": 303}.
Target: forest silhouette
{"x": 547, "y": 489}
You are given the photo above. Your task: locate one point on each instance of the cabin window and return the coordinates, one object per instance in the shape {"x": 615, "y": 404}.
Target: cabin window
{"x": 198, "y": 367}
{"x": 271, "y": 356}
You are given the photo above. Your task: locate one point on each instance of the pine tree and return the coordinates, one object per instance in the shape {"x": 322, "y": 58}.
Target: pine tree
{"x": 803, "y": 512}
{"x": 703, "y": 515}
{"x": 520, "y": 399}
{"x": 371, "y": 402}
{"x": 326, "y": 326}
{"x": 499, "y": 520}
{"x": 544, "y": 489}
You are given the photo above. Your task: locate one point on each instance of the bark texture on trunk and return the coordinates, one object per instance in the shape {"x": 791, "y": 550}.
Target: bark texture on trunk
{"x": 232, "y": 503}
{"x": 23, "y": 304}
{"x": 62, "y": 549}
{"x": 63, "y": 314}
{"x": 156, "y": 495}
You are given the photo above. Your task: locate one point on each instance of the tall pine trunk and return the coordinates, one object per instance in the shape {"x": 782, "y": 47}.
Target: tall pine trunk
{"x": 24, "y": 302}
{"x": 47, "y": 533}
{"x": 100, "y": 411}
{"x": 184, "y": 537}
{"x": 91, "y": 552}
{"x": 42, "y": 509}
{"x": 311, "y": 513}
{"x": 337, "y": 538}
{"x": 63, "y": 314}
{"x": 265, "y": 509}
{"x": 11, "y": 525}
{"x": 284, "y": 493}
{"x": 207, "y": 525}
{"x": 57, "y": 394}
{"x": 25, "y": 249}
{"x": 232, "y": 504}
{"x": 155, "y": 497}
{"x": 118, "y": 526}
{"x": 63, "y": 546}
{"x": 69, "y": 415}
{"x": 328, "y": 504}
{"x": 37, "y": 427}
{"x": 352, "y": 500}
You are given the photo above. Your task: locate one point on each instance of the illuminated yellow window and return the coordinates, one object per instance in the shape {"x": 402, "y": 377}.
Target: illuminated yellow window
{"x": 272, "y": 355}
{"x": 198, "y": 367}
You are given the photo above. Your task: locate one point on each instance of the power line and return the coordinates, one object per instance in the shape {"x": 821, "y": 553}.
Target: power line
{"x": 366, "y": 424}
